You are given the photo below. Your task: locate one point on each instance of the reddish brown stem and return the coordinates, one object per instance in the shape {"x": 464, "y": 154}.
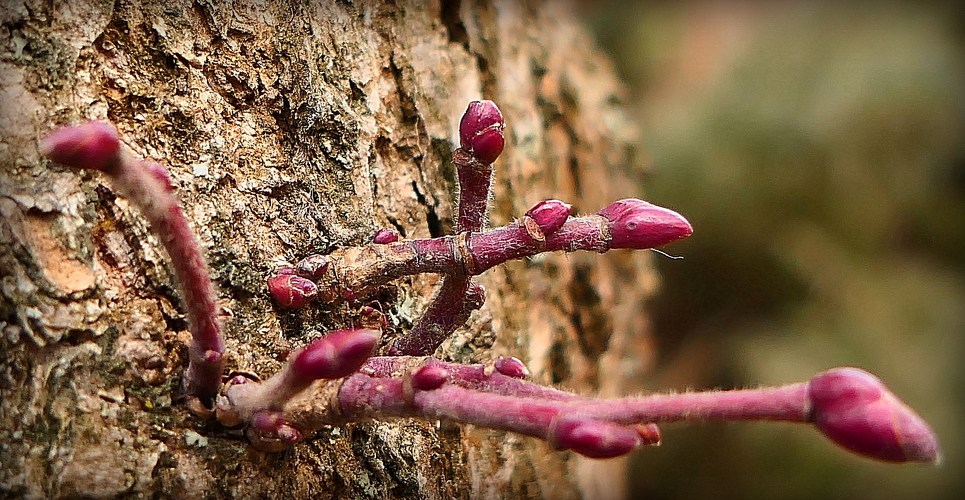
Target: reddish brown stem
{"x": 96, "y": 146}
{"x": 850, "y": 406}
{"x": 481, "y": 140}
{"x": 356, "y": 271}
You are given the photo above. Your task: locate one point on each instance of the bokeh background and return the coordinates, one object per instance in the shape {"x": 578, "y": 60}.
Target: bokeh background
{"x": 818, "y": 148}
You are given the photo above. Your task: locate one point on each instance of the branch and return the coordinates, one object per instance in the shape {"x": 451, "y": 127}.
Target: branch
{"x": 849, "y": 406}
{"x": 481, "y": 142}
{"x": 334, "y": 380}
{"x": 358, "y": 271}
{"x": 96, "y": 146}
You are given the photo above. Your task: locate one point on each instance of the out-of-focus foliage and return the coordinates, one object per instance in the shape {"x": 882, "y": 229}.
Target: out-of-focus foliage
{"x": 819, "y": 151}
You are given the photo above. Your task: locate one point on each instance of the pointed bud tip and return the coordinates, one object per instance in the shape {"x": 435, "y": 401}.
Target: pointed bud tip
{"x": 856, "y": 410}
{"x": 93, "y": 145}
{"x": 511, "y": 367}
{"x": 638, "y": 224}
{"x": 336, "y": 355}
{"x": 481, "y": 131}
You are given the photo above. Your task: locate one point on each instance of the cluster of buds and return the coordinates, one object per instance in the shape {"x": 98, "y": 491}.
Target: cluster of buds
{"x": 337, "y": 378}
{"x": 350, "y": 273}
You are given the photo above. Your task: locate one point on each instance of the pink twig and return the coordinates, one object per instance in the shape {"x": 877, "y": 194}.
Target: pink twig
{"x": 851, "y": 407}
{"x": 357, "y": 271}
{"x": 481, "y": 142}
{"x": 334, "y": 380}
{"x": 96, "y": 146}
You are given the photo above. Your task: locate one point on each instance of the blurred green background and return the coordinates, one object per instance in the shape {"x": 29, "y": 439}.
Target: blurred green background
{"x": 818, "y": 150}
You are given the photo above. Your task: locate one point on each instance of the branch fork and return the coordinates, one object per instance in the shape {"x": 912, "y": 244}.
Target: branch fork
{"x": 336, "y": 379}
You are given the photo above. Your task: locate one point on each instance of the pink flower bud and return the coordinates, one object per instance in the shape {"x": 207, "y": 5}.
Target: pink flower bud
{"x": 429, "y": 377}
{"x": 481, "y": 131}
{"x": 291, "y": 290}
{"x": 637, "y": 224}
{"x": 336, "y": 355}
{"x": 385, "y": 235}
{"x": 92, "y": 145}
{"x": 594, "y": 438}
{"x": 854, "y": 409}
{"x": 511, "y": 367}
{"x": 550, "y": 215}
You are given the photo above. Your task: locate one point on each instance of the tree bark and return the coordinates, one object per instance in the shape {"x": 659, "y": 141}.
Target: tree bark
{"x": 289, "y": 128}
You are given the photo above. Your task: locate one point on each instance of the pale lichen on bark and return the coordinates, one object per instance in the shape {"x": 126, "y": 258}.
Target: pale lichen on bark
{"x": 289, "y": 128}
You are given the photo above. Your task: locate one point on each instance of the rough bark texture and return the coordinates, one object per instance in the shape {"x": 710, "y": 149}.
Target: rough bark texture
{"x": 291, "y": 127}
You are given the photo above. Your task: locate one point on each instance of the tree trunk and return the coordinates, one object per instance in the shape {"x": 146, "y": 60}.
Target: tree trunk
{"x": 290, "y": 128}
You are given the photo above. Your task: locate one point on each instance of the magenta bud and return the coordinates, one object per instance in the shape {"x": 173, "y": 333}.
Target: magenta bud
{"x": 481, "y": 131}
{"x": 312, "y": 267}
{"x": 267, "y": 421}
{"x": 637, "y": 224}
{"x": 291, "y": 290}
{"x": 92, "y": 145}
{"x": 594, "y": 438}
{"x": 855, "y": 410}
{"x": 649, "y": 434}
{"x": 336, "y": 355}
{"x": 511, "y": 367}
{"x": 288, "y": 434}
{"x": 550, "y": 215}
{"x": 429, "y": 377}
{"x": 385, "y": 235}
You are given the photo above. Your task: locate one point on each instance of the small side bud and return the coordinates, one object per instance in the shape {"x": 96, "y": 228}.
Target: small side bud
{"x": 854, "y": 409}
{"x": 92, "y": 145}
{"x": 267, "y": 421}
{"x": 385, "y": 235}
{"x": 481, "y": 131}
{"x": 288, "y": 434}
{"x": 312, "y": 267}
{"x": 550, "y": 215}
{"x": 649, "y": 434}
{"x": 291, "y": 290}
{"x": 593, "y": 438}
{"x": 511, "y": 367}
{"x": 475, "y": 297}
{"x": 336, "y": 355}
{"x": 371, "y": 318}
{"x": 429, "y": 377}
{"x": 637, "y": 224}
